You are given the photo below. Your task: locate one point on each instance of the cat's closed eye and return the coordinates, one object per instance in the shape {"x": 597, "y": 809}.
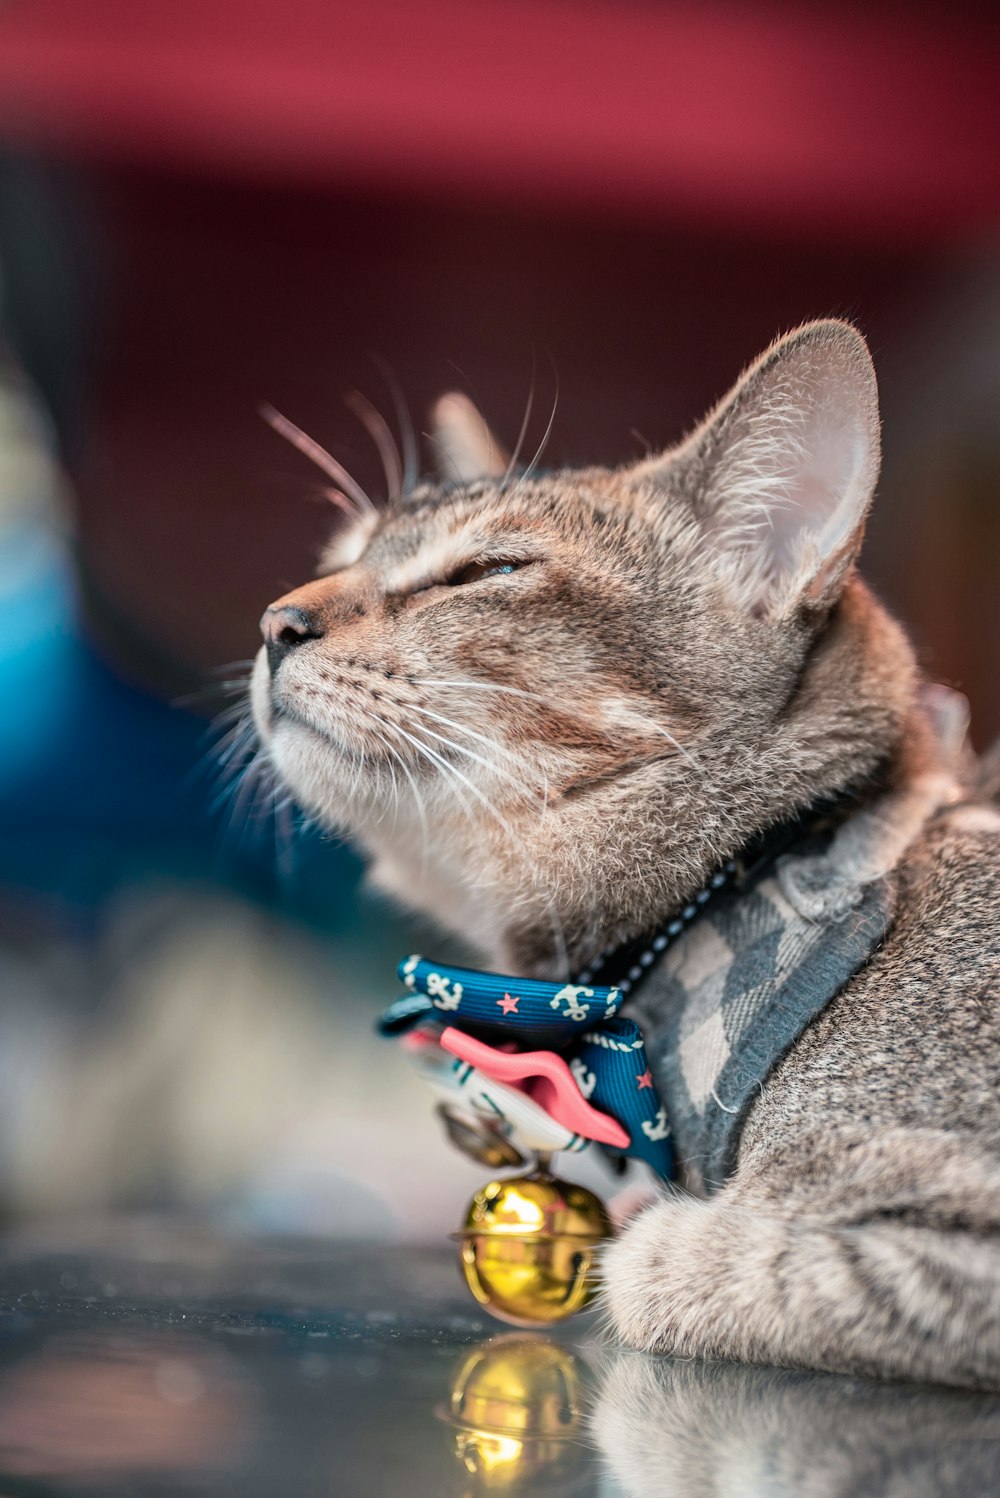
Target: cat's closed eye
{"x": 474, "y": 572}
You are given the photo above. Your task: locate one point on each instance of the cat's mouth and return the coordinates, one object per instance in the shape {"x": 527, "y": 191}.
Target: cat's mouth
{"x": 282, "y": 715}
{"x": 273, "y": 711}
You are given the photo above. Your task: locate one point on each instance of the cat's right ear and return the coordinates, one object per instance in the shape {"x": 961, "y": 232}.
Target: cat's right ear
{"x": 464, "y": 447}
{"x": 780, "y": 475}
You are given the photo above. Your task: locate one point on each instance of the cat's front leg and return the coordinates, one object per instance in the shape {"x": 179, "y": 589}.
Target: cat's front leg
{"x": 902, "y": 1291}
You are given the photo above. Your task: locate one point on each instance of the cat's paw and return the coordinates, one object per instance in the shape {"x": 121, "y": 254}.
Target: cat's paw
{"x": 654, "y": 1277}
{"x": 643, "y": 1278}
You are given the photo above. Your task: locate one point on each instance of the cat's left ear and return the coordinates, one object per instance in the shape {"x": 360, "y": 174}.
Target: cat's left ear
{"x": 781, "y": 474}
{"x": 465, "y": 449}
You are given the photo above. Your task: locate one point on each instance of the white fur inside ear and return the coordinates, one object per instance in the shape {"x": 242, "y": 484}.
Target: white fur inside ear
{"x": 783, "y": 472}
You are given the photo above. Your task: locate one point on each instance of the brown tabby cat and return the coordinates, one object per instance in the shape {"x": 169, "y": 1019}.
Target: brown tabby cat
{"x": 548, "y": 705}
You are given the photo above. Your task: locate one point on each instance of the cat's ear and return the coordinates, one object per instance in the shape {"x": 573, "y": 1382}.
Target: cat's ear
{"x": 465, "y": 448}
{"x": 782, "y": 473}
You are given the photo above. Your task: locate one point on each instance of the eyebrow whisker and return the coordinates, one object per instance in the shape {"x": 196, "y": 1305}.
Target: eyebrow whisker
{"x": 317, "y": 454}
{"x": 545, "y": 435}
{"x": 518, "y": 445}
{"x": 378, "y": 429}
{"x": 411, "y": 457}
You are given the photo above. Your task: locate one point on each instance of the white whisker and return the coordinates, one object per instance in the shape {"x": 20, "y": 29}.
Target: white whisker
{"x": 472, "y": 733}
{"x": 451, "y": 772}
{"x": 479, "y": 760}
{"x": 679, "y": 748}
{"x": 417, "y": 796}
{"x": 450, "y": 769}
{"x": 545, "y": 438}
{"x": 524, "y": 429}
{"x": 482, "y": 686}
{"x": 432, "y": 757}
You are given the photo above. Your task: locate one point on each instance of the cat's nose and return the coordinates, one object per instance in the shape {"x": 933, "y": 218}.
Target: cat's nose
{"x": 284, "y": 627}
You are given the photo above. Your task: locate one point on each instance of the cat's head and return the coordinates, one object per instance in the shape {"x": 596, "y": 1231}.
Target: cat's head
{"x": 546, "y": 703}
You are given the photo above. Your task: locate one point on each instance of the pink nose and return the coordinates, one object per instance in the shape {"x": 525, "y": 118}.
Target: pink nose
{"x": 284, "y": 627}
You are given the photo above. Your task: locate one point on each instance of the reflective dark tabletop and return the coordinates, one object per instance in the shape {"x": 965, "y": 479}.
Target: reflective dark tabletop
{"x": 145, "y": 1359}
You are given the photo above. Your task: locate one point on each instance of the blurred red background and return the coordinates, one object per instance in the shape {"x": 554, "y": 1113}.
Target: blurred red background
{"x": 251, "y": 197}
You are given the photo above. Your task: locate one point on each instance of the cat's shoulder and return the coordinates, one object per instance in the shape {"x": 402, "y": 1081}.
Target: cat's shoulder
{"x": 945, "y": 940}
{"x": 952, "y": 873}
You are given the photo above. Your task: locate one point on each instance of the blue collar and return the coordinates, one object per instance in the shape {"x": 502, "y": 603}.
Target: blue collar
{"x": 578, "y": 1020}
{"x": 743, "y": 972}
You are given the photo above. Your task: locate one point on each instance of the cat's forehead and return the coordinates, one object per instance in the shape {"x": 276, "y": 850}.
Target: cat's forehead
{"x": 431, "y": 533}
{"x": 499, "y": 501}
{"x": 436, "y": 524}
{"x": 556, "y": 502}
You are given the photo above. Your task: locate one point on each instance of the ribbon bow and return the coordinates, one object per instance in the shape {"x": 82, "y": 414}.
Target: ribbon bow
{"x": 552, "y": 1065}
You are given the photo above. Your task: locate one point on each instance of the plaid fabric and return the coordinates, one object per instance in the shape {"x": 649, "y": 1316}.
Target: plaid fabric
{"x": 737, "y": 990}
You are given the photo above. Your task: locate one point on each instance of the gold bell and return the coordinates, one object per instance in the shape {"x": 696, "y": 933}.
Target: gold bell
{"x": 516, "y": 1410}
{"x": 528, "y": 1248}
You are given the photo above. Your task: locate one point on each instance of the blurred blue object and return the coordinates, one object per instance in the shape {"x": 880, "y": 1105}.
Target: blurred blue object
{"x": 102, "y": 784}
{"x": 36, "y": 646}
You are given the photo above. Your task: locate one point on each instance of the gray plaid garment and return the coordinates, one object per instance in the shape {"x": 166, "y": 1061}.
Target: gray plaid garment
{"x": 735, "y": 992}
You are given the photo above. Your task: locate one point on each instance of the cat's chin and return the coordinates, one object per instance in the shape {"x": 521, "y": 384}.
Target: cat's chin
{"x": 307, "y": 762}
{"x": 315, "y": 771}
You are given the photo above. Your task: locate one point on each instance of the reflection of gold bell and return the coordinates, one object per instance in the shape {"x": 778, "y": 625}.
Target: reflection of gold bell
{"x": 529, "y": 1248}
{"x": 516, "y": 1412}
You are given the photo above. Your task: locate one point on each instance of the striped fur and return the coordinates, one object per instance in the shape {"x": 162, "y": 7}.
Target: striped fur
{"x": 549, "y": 756}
